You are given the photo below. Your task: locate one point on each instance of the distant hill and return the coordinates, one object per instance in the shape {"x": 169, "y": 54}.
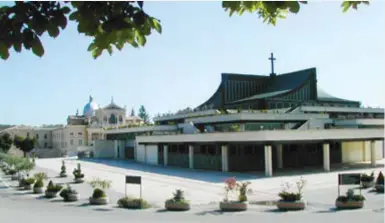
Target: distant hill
{"x": 2, "y": 127}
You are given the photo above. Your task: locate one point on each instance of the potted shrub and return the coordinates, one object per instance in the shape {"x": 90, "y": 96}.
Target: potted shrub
{"x": 38, "y": 187}
{"x": 52, "y": 189}
{"x": 350, "y": 201}
{"x": 79, "y": 176}
{"x": 99, "y": 196}
{"x": 27, "y": 184}
{"x": 132, "y": 203}
{"x": 14, "y": 173}
{"x": 239, "y": 204}
{"x": 379, "y": 186}
{"x": 367, "y": 180}
{"x": 69, "y": 194}
{"x": 178, "y": 202}
{"x": 63, "y": 172}
{"x": 292, "y": 200}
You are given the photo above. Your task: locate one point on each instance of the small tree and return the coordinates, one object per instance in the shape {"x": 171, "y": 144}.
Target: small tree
{"x": 24, "y": 144}
{"x": 143, "y": 114}
{"x": 5, "y": 142}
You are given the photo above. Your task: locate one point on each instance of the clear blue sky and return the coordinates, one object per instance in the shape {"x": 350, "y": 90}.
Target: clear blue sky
{"x": 182, "y": 67}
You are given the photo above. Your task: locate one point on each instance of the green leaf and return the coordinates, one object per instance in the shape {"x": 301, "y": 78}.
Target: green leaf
{"x": 4, "y": 53}
{"x": 97, "y": 52}
{"x": 17, "y": 46}
{"x": 156, "y": 25}
{"x": 66, "y": 10}
{"x": 53, "y": 30}
{"x": 61, "y": 21}
{"x": 74, "y": 16}
{"x": 294, "y": 7}
{"x": 37, "y": 48}
{"x": 141, "y": 39}
{"x": 345, "y": 5}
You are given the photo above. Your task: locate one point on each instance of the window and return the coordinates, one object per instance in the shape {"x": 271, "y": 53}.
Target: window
{"x": 71, "y": 134}
{"x": 45, "y": 145}
{"x": 80, "y": 133}
{"x": 27, "y": 134}
{"x": 80, "y": 142}
{"x": 120, "y": 118}
{"x": 45, "y": 136}
{"x": 113, "y": 119}
{"x": 37, "y": 136}
{"x": 71, "y": 142}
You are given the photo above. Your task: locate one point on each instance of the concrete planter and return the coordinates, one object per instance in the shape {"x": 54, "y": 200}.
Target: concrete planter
{"x": 291, "y": 205}
{"x": 99, "y": 201}
{"x": 38, "y": 190}
{"x": 79, "y": 180}
{"x": 349, "y": 204}
{"x": 177, "y": 206}
{"x": 27, "y": 187}
{"x": 72, "y": 197}
{"x": 367, "y": 184}
{"x": 63, "y": 175}
{"x": 233, "y": 206}
{"x": 50, "y": 194}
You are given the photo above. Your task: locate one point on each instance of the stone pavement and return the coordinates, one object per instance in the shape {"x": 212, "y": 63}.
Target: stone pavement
{"x": 201, "y": 187}
{"x": 35, "y": 208}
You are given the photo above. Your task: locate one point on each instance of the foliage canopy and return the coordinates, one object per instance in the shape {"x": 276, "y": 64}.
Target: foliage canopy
{"x": 110, "y": 24}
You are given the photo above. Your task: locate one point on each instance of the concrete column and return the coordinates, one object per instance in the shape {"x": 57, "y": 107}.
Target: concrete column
{"x": 225, "y": 158}
{"x": 268, "y": 161}
{"x": 116, "y": 155}
{"x": 279, "y": 156}
{"x": 165, "y": 155}
{"x": 326, "y": 155}
{"x": 242, "y": 127}
{"x": 191, "y": 156}
{"x": 373, "y": 153}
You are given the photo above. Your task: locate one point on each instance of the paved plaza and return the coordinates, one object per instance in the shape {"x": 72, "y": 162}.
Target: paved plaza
{"x": 203, "y": 189}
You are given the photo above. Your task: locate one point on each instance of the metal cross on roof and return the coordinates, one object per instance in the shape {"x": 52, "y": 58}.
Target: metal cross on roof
{"x": 271, "y": 58}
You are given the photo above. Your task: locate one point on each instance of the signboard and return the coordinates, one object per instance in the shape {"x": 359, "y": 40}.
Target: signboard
{"x": 349, "y": 179}
{"x": 133, "y": 180}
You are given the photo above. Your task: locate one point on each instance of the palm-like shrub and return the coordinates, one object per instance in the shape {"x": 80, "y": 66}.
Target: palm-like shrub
{"x": 178, "y": 197}
{"x": 63, "y": 168}
{"x": 66, "y": 191}
{"x": 40, "y": 176}
{"x": 29, "y": 181}
{"x": 367, "y": 178}
{"x": 99, "y": 187}
{"x": 51, "y": 187}
{"x": 39, "y": 184}
{"x": 290, "y": 196}
{"x": 78, "y": 172}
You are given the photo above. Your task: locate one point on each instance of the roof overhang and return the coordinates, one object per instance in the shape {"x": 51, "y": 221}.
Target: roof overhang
{"x": 269, "y": 136}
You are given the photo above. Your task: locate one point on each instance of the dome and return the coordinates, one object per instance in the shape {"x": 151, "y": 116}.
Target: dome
{"x": 90, "y": 108}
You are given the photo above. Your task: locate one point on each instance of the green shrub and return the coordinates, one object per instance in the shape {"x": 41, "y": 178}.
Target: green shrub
{"x": 133, "y": 203}
{"x": 350, "y": 196}
{"x": 178, "y": 197}
{"x": 40, "y": 176}
{"x": 367, "y": 178}
{"x": 98, "y": 183}
{"x": 12, "y": 171}
{"x": 380, "y": 179}
{"x": 29, "y": 181}
{"x": 288, "y": 196}
{"x": 22, "y": 182}
{"x": 39, "y": 184}
{"x": 51, "y": 187}
{"x": 64, "y": 193}
{"x": 78, "y": 172}
{"x": 98, "y": 193}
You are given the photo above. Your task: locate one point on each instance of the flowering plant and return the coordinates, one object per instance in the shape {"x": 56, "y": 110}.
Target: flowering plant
{"x": 231, "y": 185}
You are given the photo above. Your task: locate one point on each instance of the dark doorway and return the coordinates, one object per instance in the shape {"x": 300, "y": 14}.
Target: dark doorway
{"x": 302, "y": 155}
{"x": 129, "y": 153}
{"x": 246, "y": 157}
{"x": 335, "y": 152}
{"x": 160, "y": 154}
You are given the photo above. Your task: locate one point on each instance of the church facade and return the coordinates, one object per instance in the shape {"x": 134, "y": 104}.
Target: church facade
{"x": 257, "y": 123}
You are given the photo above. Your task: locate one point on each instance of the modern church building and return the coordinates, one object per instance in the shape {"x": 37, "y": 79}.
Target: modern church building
{"x": 257, "y": 123}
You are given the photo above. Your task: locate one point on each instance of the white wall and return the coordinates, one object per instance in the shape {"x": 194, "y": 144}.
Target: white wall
{"x": 360, "y": 151}
{"x": 104, "y": 149}
{"x": 140, "y": 153}
{"x": 152, "y": 154}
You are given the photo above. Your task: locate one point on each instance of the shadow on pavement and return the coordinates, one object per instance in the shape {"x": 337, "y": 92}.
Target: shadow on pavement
{"x": 103, "y": 209}
{"x": 161, "y": 210}
{"x": 212, "y": 212}
{"x": 201, "y": 175}
{"x": 84, "y": 205}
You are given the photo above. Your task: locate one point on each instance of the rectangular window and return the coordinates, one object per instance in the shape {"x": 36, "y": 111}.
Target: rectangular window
{"x": 45, "y": 145}
{"x": 45, "y": 136}
{"x": 80, "y": 142}
{"x": 27, "y": 134}
{"x": 37, "y": 136}
{"x": 71, "y": 134}
{"x": 71, "y": 142}
{"x": 80, "y": 133}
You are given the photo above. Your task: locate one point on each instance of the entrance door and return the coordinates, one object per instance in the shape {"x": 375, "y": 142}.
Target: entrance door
{"x": 129, "y": 153}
